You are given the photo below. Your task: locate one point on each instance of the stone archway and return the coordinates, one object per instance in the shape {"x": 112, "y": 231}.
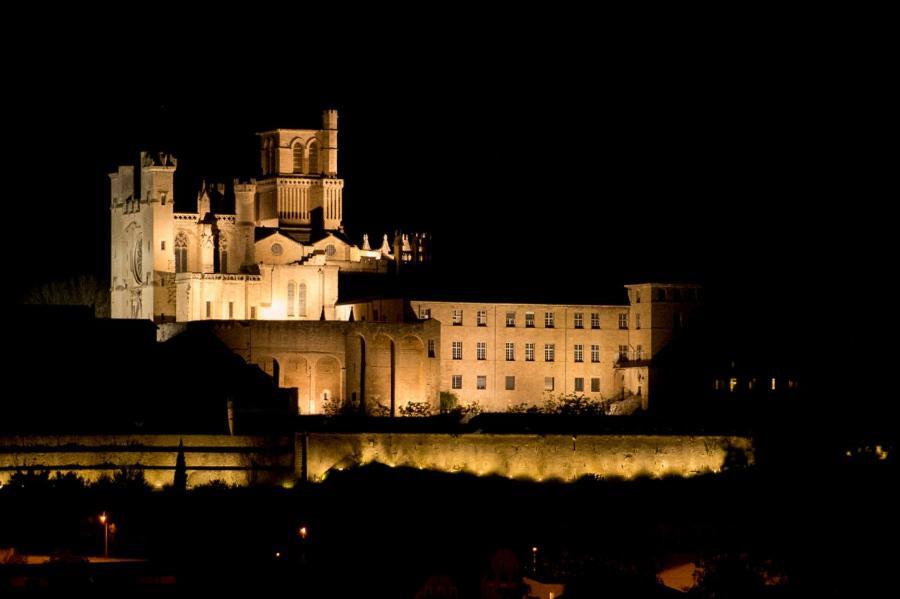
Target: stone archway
{"x": 328, "y": 384}
{"x": 379, "y": 373}
{"x": 272, "y": 367}
{"x": 410, "y": 371}
{"x": 297, "y": 374}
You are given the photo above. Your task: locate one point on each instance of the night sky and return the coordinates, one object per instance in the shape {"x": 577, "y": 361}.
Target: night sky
{"x": 751, "y": 160}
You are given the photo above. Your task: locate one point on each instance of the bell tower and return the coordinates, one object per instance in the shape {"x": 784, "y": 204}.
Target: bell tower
{"x": 299, "y": 189}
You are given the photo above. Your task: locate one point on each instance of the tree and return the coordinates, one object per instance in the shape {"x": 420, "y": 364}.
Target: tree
{"x": 180, "y": 482}
{"x": 76, "y": 291}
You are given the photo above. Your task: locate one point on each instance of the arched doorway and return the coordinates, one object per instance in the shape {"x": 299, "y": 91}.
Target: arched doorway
{"x": 379, "y": 373}
{"x": 297, "y": 375}
{"x": 410, "y": 371}
{"x": 328, "y": 385}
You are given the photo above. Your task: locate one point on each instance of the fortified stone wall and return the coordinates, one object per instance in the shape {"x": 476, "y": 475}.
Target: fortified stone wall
{"x": 533, "y": 457}
{"x": 245, "y": 460}
{"x": 238, "y": 460}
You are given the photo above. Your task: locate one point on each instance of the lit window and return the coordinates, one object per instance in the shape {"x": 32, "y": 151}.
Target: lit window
{"x": 548, "y": 320}
{"x": 181, "y": 257}
{"x": 529, "y": 320}
{"x": 579, "y": 320}
{"x": 579, "y": 353}
{"x": 481, "y": 350}
{"x": 772, "y": 384}
{"x": 457, "y": 381}
{"x": 529, "y": 352}
{"x": 548, "y": 383}
{"x": 481, "y": 318}
{"x": 549, "y": 352}
{"x": 623, "y": 320}
{"x": 457, "y": 317}
{"x": 510, "y": 383}
{"x": 481, "y": 382}
{"x": 457, "y": 350}
{"x": 595, "y": 385}
{"x": 677, "y": 320}
{"x": 595, "y": 320}
{"x": 431, "y": 348}
{"x": 579, "y": 385}
{"x": 510, "y": 352}
{"x": 732, "y": 383}
{"x": 595, "y": 353}
{"x": 424, "y": 313}
{"x": 510, "y": 319}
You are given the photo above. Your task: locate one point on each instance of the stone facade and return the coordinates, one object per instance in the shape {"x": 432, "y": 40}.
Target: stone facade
{"x": 376, "y": 368}
{"x": 503, "y": 355}
{"x": 277, "y": 258}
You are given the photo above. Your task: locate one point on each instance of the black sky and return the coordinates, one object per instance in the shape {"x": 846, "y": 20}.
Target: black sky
{"x": 751, "y": 157}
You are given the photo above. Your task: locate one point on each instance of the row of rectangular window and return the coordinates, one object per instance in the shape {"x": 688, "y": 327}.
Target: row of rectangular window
{"x": 549, "y": 319}
{"x": 549, "y": 351}
{"x": 456, "y": 382}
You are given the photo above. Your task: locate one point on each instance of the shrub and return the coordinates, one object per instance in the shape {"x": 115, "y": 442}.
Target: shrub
{"x": 416, "y": 408}
{"x": 449, "y": 401}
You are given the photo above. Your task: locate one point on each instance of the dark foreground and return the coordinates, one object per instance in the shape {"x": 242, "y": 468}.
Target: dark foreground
{"x": 377, "y": 531}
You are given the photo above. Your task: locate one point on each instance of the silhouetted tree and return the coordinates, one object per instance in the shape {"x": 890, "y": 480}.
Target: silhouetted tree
{"x": 77, "y": 291}
{"x": 180, "y": 482}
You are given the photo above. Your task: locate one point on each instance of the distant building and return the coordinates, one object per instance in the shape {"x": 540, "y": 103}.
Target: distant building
{"x": 277, "y": 257}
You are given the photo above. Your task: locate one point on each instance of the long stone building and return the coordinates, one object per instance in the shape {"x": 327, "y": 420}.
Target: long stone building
{"x": 279, "y": 256}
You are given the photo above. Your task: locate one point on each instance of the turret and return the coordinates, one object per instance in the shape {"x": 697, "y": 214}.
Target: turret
{"x": 329, "y": 135}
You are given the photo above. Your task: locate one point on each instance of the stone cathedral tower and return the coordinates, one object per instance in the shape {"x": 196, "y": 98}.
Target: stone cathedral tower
{"x": 299, "y": 190}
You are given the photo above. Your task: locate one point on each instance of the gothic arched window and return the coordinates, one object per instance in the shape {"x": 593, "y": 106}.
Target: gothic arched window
{"x": 298, "y": 158}
{"x": 181, "y": 256}
{"x": 313, "y": 158}
{"x": 302, "y": 299}
{"x": 290, "y": 299}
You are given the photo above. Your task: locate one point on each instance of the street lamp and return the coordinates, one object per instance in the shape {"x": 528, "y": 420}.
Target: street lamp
{"x": 104, "y": 520}
{"x": 534, "y": 560}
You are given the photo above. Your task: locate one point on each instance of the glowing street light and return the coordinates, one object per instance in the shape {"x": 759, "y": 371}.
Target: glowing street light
{"x": 104, "y": 520}
{"x": 534, "y": 560}
{"x": 303, "y": 532}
